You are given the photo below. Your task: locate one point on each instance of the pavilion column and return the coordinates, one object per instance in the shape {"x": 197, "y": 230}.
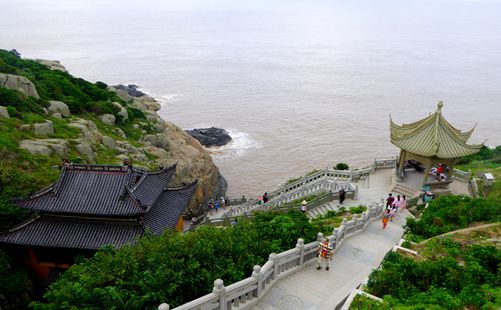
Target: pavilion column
{"x": 427, "y": 171}
{"x": 451, "y": 165}
{"x": 401, "y": 162}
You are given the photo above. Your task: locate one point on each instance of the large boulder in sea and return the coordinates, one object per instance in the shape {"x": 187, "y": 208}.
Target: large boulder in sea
{"x": 19, "y": 83}
{"x": 210, "y": 136}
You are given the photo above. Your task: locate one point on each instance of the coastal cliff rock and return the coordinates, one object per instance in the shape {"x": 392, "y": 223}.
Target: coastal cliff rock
{"x": 131, "y": 90}
{"x": 4, "y": 112}
{"x": 19, "y": 83}
{"x": 172, "y": 145}
{"x": 52, "y": 64}
{"x": 210, "y": 136}
{"x": 94, "y": 125}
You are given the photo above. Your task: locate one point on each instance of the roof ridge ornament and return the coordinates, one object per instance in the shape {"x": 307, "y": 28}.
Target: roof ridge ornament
{"x": 440, "y": 105}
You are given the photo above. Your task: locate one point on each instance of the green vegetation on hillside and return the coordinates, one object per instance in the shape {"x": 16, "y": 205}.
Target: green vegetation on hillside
{"x": 487, "y": 160}
{"x": 454, "y": 271}
{"x": 448, "y": 213}
{"x": 22, "y": 172}
{"x": 175, "y": 268}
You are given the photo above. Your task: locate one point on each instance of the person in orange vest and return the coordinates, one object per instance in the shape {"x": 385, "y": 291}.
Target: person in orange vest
{"x": 325, "y": 251}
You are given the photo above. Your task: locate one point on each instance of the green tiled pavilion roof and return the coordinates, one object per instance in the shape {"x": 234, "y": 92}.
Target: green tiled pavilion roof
{"x": 433, "y": 136}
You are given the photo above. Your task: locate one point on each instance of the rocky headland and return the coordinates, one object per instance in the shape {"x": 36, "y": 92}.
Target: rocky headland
{"x": 210, "y": 136}
{"x": 58, "y": 132}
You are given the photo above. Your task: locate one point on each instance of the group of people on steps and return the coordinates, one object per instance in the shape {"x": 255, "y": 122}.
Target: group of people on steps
{"x": 393, "y": 206}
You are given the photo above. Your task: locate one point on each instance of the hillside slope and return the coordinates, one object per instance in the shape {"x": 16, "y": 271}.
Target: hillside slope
{"x": 46, "y": 115}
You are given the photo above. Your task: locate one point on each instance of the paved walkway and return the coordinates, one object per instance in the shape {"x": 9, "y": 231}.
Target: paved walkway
{"x": 352, "y": 263}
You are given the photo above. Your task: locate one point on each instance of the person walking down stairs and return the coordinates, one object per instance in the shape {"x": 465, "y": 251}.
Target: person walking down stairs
{"x": 325, "y": 251}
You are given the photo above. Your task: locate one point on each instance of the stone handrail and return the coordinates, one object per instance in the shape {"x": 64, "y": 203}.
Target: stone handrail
{"x": 460, "y": 175}
{"x": 320, "y": 181}
{"x": 384, "y": 163}
{"x": 246, "y": 293}
{"x": 315, "y": 187}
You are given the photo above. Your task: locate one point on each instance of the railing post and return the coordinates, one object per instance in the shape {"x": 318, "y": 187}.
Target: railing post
{"x": 320, "y": 237}
{"x": 354, "y": 220}
{"x": 274, "y": 258}
{"x": 300, "y": 246}
{"x": 163, "y": 306}
{"x": 220, "y": 290}
{"x": 256, "y": 273}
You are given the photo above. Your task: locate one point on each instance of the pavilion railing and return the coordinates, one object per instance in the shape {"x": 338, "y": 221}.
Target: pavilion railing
{"x": 460, "y": 175}
{"x": 246, "y": 293}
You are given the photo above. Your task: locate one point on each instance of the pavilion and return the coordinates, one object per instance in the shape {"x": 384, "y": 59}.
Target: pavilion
{"x": 91, "y": 206}
{"x": 431, "y": 141}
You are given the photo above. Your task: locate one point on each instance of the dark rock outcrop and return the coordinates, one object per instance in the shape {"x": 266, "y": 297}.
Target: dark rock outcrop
{"x": 131, "y": 90}
{"x": 210, "y": 136}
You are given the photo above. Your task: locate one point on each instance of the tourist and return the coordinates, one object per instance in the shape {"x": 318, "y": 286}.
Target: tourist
{"x": 303, "y": 206}
{"x": 216, "y": 205}
{"x": 223, "y": 202}
{"x": 342, "y": 196}
{"x": 397, "y": 203}
{"x": 393, "y": 211}
{"x": 325, "y": 251}
{"x": 210, "y": 206}
{"x": 403, "y": 204}
{"x": 386, "y": 217}
{"x": 266, "y": 197}
{"x": 389, "y": 201}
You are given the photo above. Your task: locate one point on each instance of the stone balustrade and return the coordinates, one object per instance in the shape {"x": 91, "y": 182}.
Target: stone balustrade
{"x": 246, "y": 293}
{"x": 326, "y": 180}
{"x": 460, "y": 175}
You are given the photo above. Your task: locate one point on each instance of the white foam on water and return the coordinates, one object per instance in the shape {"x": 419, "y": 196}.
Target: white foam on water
{"x": 165, "y": 99}
{"x": 240, "y": 143}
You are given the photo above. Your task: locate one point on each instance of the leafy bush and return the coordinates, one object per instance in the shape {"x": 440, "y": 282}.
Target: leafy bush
{"x": 448, "y": 213}
{"x": 462, "y": 277}
{"x": 358, "y": 209}
{"x": 485, "y": 153}
{"x": 20, "y": 102}
{"x": 12, "y": 284}
{"x": 341, "y": 166}
{"x": 360, "y": 302}
{"x": 175, "y": 267}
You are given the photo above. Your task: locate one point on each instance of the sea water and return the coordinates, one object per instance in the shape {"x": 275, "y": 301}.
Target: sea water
{"x": 299, "y": 84}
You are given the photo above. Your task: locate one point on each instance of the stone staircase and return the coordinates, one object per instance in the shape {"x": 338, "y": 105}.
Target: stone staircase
{"x": 402, "y": 189}
{"x": 353, "y": 261}
{"x": 323, "y": 209}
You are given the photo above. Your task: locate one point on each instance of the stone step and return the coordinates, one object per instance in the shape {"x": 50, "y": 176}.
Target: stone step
{"x": 404, "y": 190}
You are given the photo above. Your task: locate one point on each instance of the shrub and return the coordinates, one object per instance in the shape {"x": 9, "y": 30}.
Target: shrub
{"x": 440, "y": 280}
{"x": 341, "y": 166}
{"x": 175, "y": 267}
{"x": 448, "y": 213}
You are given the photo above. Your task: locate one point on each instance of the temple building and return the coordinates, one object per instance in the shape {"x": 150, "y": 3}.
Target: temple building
{"x": 91, "y": 206}
{"x": 432, "y": 146}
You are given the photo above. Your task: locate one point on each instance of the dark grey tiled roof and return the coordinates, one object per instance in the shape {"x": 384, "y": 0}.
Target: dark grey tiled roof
{"x": 88, "y": 206}
{"x": 166, "y": 211}
{"x": 151, "y": 185}
{"x": 75, "y": 233}
{"x": 86, "y": 192}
